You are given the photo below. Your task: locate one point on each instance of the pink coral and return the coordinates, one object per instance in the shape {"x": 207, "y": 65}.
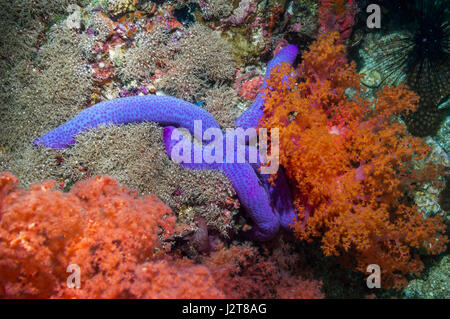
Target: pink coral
{"x": 249, "y": 88}
{"x": 337, "y": 15}
{"x": 241, "y": 14}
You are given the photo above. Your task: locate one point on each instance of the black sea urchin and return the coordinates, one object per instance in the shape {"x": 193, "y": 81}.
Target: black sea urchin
{"x": 415, "y": 52}
{"x": 413, "y": 47}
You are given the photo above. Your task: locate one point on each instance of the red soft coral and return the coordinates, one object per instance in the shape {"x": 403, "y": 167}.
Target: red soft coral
{"x": 337, "y": 15}
{"x": 157, "y": 279}
{"x": 102, "y": 227}
{"x": 352, "y": 164}
{"x": 118, "y": 241}
{"x": 242, "y": 272}
{"x": 249, "y": 88}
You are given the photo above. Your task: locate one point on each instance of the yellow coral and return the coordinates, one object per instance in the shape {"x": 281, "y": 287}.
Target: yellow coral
{"x": 117, "y": 7}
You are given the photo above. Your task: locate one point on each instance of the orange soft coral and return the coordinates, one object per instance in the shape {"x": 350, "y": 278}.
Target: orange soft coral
{"x": 158, "y": 279}
{"x": 118, "y": 241}
{"x": 100, "y": 226}
{"x": 352, "y": 163}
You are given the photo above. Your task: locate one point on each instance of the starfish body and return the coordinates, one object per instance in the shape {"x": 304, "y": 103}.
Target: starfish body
{"x": 279, "y": 191}
{"x": 165, "y": 110}
{"x": 268, "y": 205}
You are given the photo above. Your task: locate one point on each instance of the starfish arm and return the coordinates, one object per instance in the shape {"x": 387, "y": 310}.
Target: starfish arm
{"x": 251, "y": 192}
{"x": 255, "y": 200}
{"x": 251, "y": 117}
{"x": 165, "y": 110}
{"x": 282, "y": 199}
{"x": 194, "y": 162}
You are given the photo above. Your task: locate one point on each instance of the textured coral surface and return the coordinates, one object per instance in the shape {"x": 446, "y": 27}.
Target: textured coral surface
{"x": 121, "y": 244}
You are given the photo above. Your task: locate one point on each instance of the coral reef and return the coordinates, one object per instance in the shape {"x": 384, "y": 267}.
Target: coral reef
{"x": 144, "y": 166}
{"x": 337, "y": 16}
{"x": 214, "y": 9}
{"x": 149, "y": 50}
{"x": 427, "y": 196}
{"x": 365, "y": 190}
{"x": 265, "y": 212}
{"x": 135, "y": 156}
{"x": 22, "y": 31}
{"x": 241, "y": 272}
{"x": 221, "y": 102}
{"x": 254, "y": 113}
{"x": 305, "y": 18}
{"x": 60, "y": 79}
{"x": 443, "y": 135}
{"x": 351, "y": 164}
{"x": 444, "y": 199}
{"x": 99, "y": 226}
{"x": 165, "y": 110}
{"x": 118, "y": 7}
{"x": 57, "y": 85}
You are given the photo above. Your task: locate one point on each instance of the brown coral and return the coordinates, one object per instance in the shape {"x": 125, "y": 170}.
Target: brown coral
{"x": 201, "y": 58}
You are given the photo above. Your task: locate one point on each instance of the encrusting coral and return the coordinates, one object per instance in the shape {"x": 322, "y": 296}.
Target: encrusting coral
{"x": 50, "y": 82}
{"x": 22, "y": 30}
{"x": 221, "y": 102}
{"x": 149, "y": 50}
{"x": 202, "y": 57}
{"x": 351, "y": 164}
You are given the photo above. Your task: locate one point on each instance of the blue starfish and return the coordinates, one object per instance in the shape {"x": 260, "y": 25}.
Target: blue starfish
{"x": 268, "y": 205}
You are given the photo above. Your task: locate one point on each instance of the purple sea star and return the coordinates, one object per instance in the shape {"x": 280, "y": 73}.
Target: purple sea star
{"x": 267, "y": 205}
{"x": 165, "y": 110}
{"x": 252, "y": 193}
{"x": 254, "y": 113}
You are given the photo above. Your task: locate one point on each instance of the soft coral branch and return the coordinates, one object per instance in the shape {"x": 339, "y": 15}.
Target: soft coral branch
{"x": 352, "y": 163}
